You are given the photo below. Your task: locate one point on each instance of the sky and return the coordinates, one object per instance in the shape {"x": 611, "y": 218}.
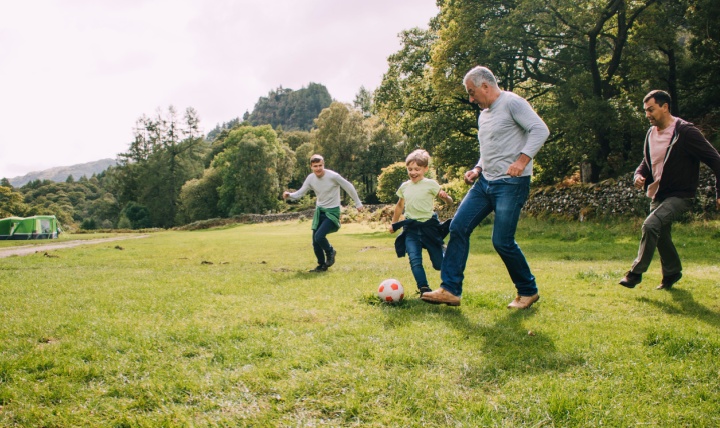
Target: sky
{"x": 75, "y": 75}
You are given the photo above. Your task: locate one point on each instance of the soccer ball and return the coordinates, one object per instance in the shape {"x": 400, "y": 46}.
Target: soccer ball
{"x": 391, "y": 291}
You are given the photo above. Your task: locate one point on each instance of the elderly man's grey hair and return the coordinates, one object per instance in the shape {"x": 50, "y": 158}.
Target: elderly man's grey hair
{"x": 480, "y": 75}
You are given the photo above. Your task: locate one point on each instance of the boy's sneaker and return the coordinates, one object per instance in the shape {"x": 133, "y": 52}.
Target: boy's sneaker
{"x": 330, "y": 259}
{"x": 424, "y": 289}
{"x": 319, "y": 268}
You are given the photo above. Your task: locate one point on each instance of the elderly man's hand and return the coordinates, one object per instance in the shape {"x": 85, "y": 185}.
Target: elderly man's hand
{"x": 516, "y": 168}
{"x": 471, "y": 176}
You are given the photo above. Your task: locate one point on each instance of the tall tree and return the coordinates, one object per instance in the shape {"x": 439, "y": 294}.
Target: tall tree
{"x": 364, "y": 102}
{"x": 699, "y": 76}
{"x": 199, "y": 198}
{"x": 565, "y": 57}
{"x": 250, "y": 167}
{"x": 342, "y": 139}
{"x": 385, "y": 146}
{"x": 302, "y": 164}
{"x": 431, "y": 116}
{"x": 165, "y": 153}
{"x": 11, "y": 203}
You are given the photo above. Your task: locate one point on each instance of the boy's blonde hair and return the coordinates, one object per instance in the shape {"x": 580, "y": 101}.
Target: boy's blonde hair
{"x": 420, "y": 157}
{"x": 316, "y": 158}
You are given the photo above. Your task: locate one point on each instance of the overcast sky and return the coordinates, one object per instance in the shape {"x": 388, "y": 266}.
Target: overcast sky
{"x": 76, "y": 74}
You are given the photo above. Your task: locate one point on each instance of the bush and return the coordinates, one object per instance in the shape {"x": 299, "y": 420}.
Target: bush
{"x": 88, "y": 224}
{"x": 389, "y": 181}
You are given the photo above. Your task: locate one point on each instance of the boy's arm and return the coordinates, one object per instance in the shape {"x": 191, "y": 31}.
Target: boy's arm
{"x": 300, "y": 192}
{"x": 399, "y": 207}
{"x": 445, "y": 197}
{"x": 350, "y": 190}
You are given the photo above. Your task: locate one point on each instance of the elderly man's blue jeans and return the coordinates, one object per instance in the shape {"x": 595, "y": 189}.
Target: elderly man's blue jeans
{"x": 505, "y": 197}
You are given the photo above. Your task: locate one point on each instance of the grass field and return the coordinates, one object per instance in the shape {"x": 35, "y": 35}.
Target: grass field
{"x": 225, "y": 328}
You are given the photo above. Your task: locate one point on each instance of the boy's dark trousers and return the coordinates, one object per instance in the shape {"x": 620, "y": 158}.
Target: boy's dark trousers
{"x": 321, "y": 245}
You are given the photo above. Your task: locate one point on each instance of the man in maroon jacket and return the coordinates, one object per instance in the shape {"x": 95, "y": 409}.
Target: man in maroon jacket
{"x": 669, "y": 172}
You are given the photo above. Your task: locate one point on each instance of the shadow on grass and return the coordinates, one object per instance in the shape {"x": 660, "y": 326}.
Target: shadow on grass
{"x": 685, "y": 305}
{"x": 508, "y": 349}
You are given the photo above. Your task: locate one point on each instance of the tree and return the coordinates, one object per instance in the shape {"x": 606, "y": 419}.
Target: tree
{"x": 699, "y": 77}
{"x": 294, "y": 139}
{"x": 226, "y": 126}
{"x": 390, "y": 180}
{"x": 342, "y": 139}
{"x": 164, "y": 154}
{"x": 11, "y": 203}
{"x": 385, "y": 147}
{"x": 564, "y": 57}
{"x": 249, "y": 168}
{"x": 199, "y": 198}
{"x": 302, "y": 164}
{"x": 138, "y": 216}
{"x": 364, "y": 102}
{"x": 431, "y": 115}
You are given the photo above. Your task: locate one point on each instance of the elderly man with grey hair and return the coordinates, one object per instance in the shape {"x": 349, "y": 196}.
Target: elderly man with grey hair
{"x": 510, "y": 134}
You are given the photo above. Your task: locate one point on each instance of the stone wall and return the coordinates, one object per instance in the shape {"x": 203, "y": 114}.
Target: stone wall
{"x": 246, "y": 219}
{"x": 348, "y": 216}
{"x": 610, "y": 198}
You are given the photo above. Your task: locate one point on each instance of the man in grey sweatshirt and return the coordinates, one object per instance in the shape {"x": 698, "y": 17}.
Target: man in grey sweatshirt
{"x": 326, "y": 184}
{"x": 510, "y": 134}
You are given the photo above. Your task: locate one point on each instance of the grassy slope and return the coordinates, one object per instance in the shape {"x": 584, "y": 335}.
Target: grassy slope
{"x": 152, "y": 336}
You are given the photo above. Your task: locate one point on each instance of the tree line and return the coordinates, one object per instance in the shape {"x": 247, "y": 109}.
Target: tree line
{"x": 584, "y": 65}
{"x": 172, "y": 175}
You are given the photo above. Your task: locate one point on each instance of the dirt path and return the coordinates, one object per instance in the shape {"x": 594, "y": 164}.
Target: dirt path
{"x": 31, "y": 249}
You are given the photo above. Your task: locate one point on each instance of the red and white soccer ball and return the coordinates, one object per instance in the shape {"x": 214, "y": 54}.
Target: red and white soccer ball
{"x": 391, "y": 291}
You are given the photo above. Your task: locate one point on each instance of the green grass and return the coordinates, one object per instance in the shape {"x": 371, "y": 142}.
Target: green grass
{"x": 226, "y": 328}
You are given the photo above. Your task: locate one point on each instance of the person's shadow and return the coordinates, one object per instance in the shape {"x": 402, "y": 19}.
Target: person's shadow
{"x": 685, "y": 305}
{"x": 510, "y": 349}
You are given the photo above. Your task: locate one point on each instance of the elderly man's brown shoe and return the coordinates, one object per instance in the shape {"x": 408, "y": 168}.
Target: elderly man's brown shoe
{"x": 441, "y": 296}
{"x": 523, "y": 302}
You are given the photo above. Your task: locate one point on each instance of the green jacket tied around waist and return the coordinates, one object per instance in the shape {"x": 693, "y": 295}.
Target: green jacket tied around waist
{"x": 333, "y": 214}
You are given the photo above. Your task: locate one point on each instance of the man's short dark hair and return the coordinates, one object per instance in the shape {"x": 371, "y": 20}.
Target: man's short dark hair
{"x": 661, "y": 97}
{"x": 316, "y": 158}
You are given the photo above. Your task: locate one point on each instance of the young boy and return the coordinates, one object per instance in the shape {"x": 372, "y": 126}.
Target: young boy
{"x": 421, "y": 228}
{"x": 326, "y": 184}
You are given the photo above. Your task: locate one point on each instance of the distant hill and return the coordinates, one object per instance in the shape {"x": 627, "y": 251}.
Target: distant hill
{"x": 60, "y": 173}
{"x": 293, "y": 110}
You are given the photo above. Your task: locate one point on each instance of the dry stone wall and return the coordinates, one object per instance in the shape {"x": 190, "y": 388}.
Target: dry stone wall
{"x": 610, "y": 198}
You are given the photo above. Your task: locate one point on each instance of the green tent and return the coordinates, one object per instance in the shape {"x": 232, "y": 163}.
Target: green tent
{"x": 36, "y": 227}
